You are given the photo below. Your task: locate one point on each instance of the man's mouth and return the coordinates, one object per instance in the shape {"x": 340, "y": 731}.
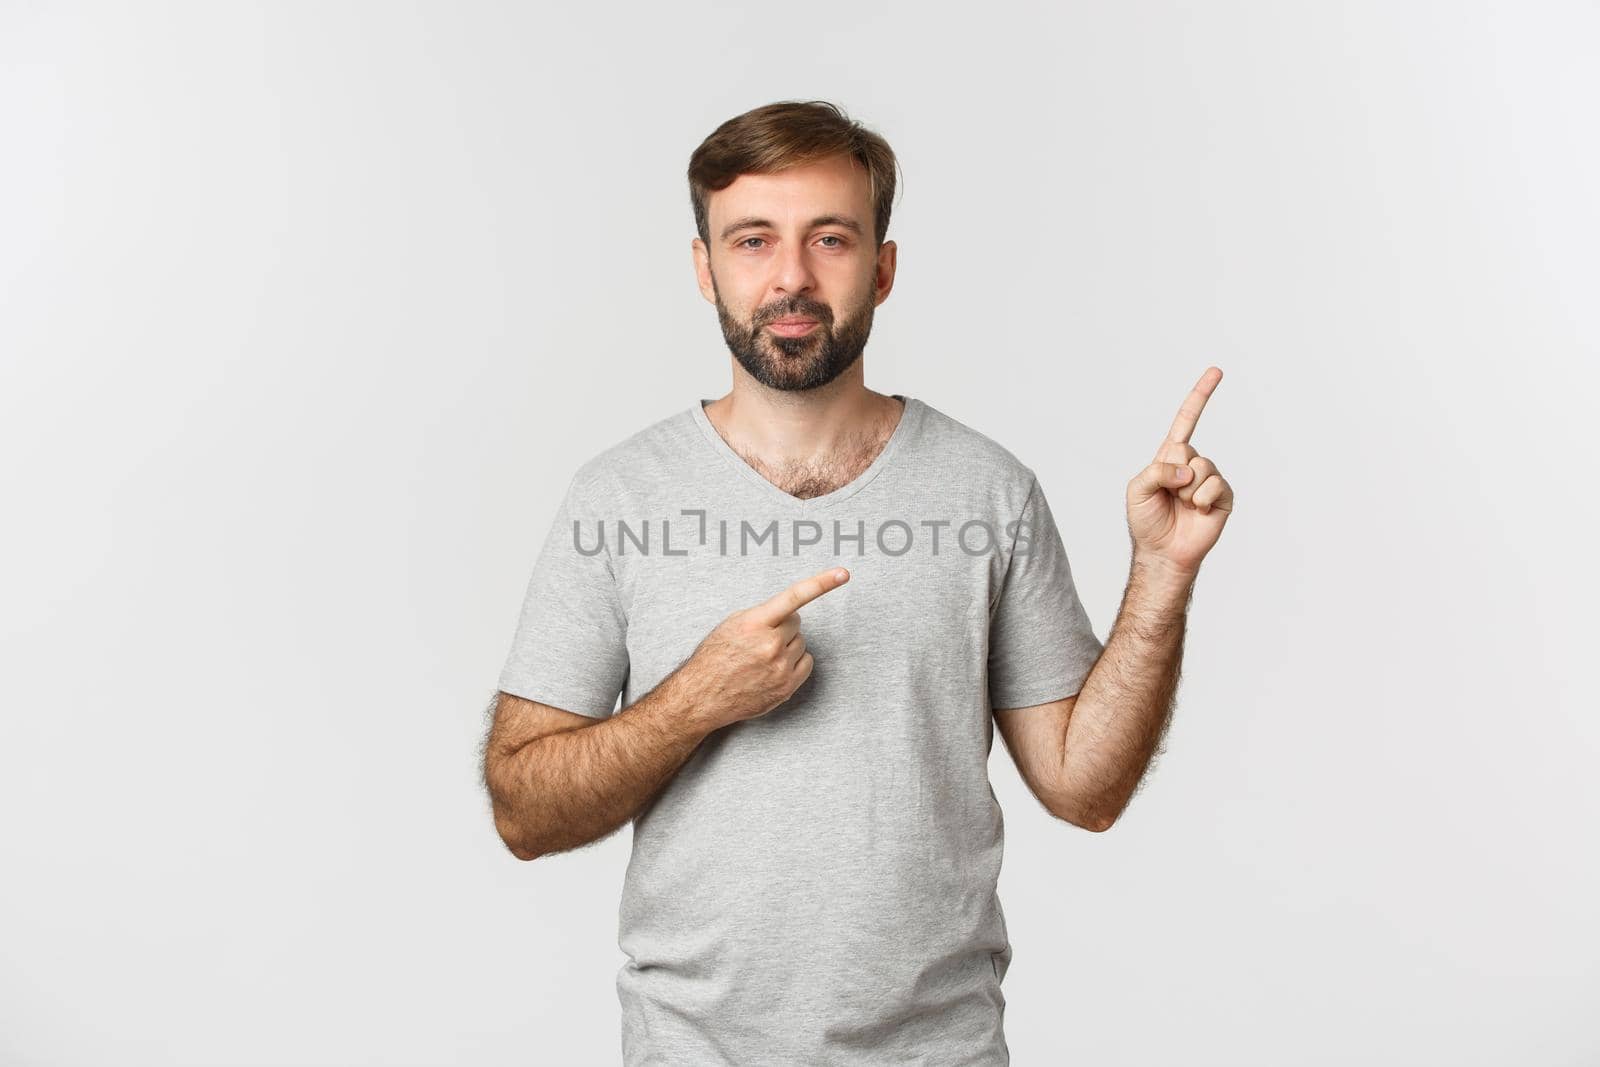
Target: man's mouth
{"x": 792, "y": 327}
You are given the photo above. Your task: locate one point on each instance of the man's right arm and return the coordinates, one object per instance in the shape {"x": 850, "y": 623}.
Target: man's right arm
{"x": 559, "y": 780}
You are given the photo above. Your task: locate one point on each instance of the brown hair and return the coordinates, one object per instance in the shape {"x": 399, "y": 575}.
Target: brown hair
{"x": 786, "y": 134}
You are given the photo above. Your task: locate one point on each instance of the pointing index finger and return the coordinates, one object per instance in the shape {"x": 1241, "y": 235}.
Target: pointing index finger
{"x": 801, "y": 593}
{"x": 1193, "y": 405}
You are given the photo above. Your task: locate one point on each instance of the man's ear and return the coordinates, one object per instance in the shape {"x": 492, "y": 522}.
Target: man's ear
{"x": 702, "y": 269}
{"x": 887, "y": 260}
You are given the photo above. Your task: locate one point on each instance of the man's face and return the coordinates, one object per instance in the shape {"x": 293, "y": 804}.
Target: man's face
{"x": 795, "y": 246}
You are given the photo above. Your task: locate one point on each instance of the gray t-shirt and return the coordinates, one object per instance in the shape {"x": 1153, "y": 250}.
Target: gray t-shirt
{"x": 815, "y": 885}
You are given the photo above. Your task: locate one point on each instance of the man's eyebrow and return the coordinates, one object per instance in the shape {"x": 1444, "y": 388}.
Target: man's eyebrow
{"x": 751, "y": 222}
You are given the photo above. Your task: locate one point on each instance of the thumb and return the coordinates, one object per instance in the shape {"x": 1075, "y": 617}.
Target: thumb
{"x": 1156, "y": 477}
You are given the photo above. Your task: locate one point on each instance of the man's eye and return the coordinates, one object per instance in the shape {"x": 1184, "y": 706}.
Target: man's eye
{"x": 838, "y": 241}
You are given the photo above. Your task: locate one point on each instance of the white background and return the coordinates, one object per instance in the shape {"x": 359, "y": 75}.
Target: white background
{"x": 309, "y": 311}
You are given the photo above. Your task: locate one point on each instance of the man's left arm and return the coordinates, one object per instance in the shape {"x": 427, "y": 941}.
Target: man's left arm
{"x": 1177, "y": 506}
{"x": 1084, "y": 756}
{"x": 1119, "y": 718}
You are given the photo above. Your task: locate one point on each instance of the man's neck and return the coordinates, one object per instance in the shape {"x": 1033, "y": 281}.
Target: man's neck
{"x": 807, "y": 442}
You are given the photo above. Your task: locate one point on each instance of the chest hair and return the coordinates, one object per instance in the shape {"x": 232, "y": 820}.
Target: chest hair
{"x": 822, "y": 475}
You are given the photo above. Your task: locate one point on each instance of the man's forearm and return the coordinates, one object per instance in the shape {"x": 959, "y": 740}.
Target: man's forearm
{"x": 1123, "y": 709}
{"x": 566, "y": 789}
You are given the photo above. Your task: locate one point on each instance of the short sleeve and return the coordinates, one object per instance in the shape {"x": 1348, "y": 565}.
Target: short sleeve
{"x": 570, "y": 649}
{"x": 1041, "y": 645}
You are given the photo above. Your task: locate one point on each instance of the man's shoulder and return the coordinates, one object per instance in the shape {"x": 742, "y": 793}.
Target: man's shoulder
{"x": 968, "y": 453}
{"x": 656, "y": 447}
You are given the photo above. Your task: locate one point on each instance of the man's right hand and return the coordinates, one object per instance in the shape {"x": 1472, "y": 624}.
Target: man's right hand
{"x": 755, "y": 658}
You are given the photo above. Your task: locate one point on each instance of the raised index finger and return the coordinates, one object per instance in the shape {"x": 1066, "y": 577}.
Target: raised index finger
{"x": 1193, "y": 405}
{"x": 799, "y": 594}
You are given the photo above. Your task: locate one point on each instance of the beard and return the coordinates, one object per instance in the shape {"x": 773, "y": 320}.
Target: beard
{"x": 797, "y": 363}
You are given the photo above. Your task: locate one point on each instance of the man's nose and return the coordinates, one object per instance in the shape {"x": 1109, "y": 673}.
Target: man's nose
{"x": 794, "y": 274}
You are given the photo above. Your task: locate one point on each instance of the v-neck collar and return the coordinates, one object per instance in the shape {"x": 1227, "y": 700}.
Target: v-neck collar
{"x": 909, "y": 420}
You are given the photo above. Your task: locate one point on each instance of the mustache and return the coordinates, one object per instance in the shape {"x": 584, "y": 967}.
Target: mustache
{"x": 794, "y": 309}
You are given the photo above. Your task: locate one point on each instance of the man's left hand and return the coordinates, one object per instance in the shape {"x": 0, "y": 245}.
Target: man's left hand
{"x": 1178, "y": 505}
